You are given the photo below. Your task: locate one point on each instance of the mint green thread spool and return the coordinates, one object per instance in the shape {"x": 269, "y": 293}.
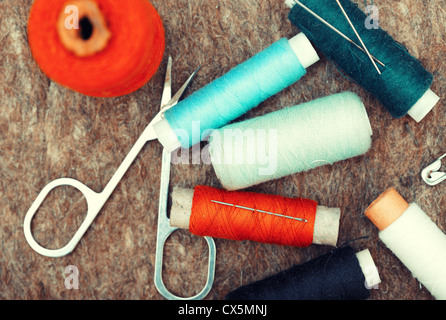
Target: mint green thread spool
{"x": 291, "y": 140}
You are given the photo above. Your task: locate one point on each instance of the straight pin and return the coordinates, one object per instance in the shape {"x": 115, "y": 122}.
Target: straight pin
{"x": 335, "y": 30}
{"x": 357, "y": 34}
{"x": 261, "y": 211}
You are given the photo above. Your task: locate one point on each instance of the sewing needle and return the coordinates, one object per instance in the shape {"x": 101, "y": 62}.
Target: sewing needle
{"x": 334, "y": 29}
{"x": 258, "y": 210}
{"x": 357, "y": 34}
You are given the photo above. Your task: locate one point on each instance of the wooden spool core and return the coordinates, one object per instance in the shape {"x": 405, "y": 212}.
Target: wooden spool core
{"x": 92, "y": 34}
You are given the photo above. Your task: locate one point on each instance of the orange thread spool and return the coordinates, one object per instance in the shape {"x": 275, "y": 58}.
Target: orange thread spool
{"x": 215, "y": 220}
{"x": 116, "y": 49}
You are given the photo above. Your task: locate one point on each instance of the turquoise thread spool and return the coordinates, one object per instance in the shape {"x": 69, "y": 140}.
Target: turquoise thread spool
{"x": 241, "y": 89}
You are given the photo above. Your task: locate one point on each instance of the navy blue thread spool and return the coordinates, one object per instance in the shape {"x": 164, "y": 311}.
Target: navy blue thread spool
{"x": 340, "y": 274}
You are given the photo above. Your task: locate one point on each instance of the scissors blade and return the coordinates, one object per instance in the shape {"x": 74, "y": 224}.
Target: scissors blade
{"x": 180, "y": 92}
{"x": 167, "y": 91}
{"x": 150, "y": 133}
{"x": 164, "y": 229}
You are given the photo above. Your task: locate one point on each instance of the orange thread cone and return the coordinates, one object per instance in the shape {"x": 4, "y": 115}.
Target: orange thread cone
{"x": 118, "y": 55}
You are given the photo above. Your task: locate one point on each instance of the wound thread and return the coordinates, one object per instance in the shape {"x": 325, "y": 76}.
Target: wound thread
{"x": 235, "y": 93}
{"x": 290, "y": 140}
{"x": 217, "y": 220}
{"x": 336, "y": 275}
{"x": 403, "y": 81}
{"x": 116, "y": 50}
{"x": 413, "y": 237}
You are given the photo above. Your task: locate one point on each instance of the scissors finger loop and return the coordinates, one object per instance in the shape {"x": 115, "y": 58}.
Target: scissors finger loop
{"x": 92, "y": 202}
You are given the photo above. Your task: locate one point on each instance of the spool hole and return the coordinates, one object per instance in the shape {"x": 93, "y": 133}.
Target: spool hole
{"x": 85, "y": 28}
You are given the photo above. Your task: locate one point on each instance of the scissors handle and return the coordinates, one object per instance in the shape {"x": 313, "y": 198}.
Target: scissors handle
{"x": 94, "y": 202}
{"x": 162, "y": 235}
{"x": 165, "y": 230}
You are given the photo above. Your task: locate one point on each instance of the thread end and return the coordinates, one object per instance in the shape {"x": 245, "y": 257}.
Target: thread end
{"x": 326, "y": 226}
{"x": 304, "y": 50}
{"x": 182, "y": 200}
{"x": 426, "y": 103}
{"x": 369, "y": 268}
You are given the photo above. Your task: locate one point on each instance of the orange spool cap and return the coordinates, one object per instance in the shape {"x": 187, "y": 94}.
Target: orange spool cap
{"x": 386, "y": 209}
{"x": 100, "y": 48}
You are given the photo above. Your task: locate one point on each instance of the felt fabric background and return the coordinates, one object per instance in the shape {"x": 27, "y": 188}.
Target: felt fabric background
{"x": 49, "y": 132}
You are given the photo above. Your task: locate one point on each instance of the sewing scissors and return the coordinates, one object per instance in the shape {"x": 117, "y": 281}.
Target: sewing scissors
{"x": 164, "y": 228}
{"x": 95, "y": 200}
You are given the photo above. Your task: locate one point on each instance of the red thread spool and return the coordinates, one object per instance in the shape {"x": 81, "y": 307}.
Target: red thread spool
{"x": 117, "y": 47}
{"x": 239, "y": 216}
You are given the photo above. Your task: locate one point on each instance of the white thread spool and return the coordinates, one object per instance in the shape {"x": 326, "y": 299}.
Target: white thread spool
{"x": 326, "y": 226}
{"x": 413, "y": 237}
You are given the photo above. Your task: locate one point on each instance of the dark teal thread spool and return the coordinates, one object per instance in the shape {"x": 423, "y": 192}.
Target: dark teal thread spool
{"x": 403, "y": 87}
